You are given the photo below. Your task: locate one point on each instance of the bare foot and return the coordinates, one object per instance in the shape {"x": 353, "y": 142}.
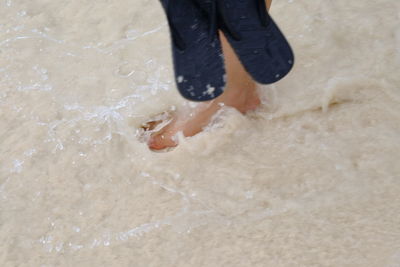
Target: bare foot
{"x": 241, "y": 94}
{"x": 197, "y": 118}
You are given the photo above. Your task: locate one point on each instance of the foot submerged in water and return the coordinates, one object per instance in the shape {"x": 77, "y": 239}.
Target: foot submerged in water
{"x": 240, "y": 93}
{"x": 196, "y": 119}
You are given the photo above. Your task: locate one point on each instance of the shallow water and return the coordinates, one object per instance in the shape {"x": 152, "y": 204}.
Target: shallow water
{"x": 311, "y": 179}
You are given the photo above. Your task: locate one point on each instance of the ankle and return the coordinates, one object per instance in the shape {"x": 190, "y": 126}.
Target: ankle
{"x": 237, "y": 98}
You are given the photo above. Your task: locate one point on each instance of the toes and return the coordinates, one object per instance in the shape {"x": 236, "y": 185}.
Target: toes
{"x": 159, "y": 142}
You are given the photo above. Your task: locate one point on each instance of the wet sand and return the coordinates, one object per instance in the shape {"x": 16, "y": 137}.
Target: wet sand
{"x": 310, "y": 179}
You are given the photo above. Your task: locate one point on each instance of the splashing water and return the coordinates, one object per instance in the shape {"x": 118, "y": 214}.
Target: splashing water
{"x": 310, "y": 179}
